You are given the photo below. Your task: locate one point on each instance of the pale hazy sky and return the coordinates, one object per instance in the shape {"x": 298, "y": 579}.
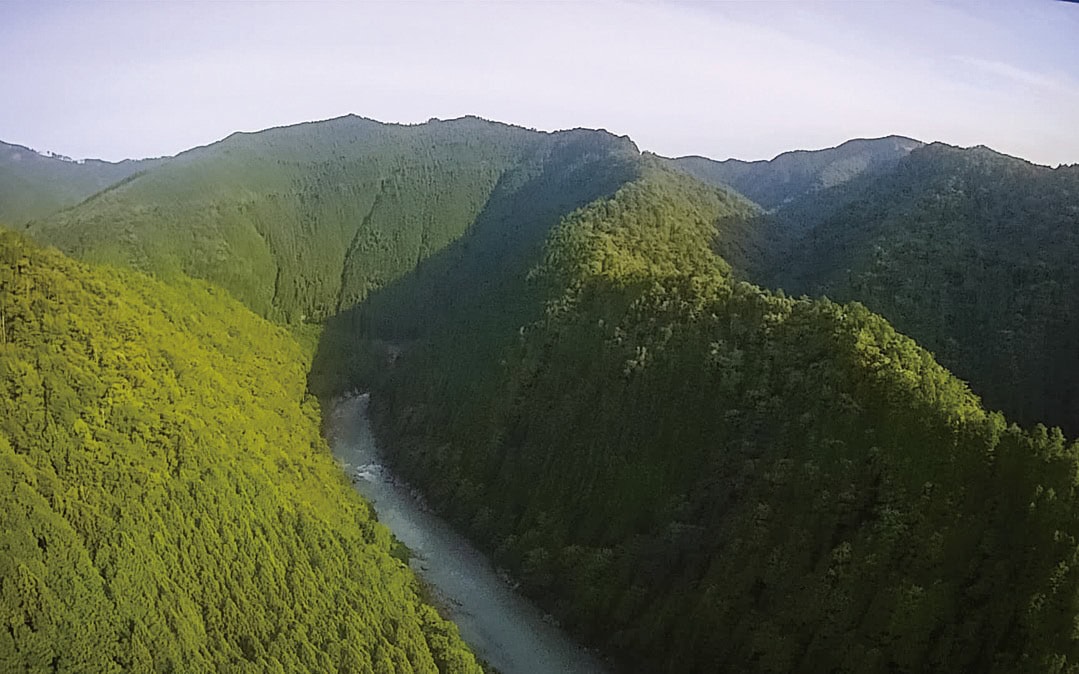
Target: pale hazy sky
{"x": 115, "y": 80}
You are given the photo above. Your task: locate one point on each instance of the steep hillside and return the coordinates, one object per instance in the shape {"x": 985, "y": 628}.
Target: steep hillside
{"x": 166, "y": 500}
{"x": 795, "y": 174}
{"x": 689, "y": 471}
{"x": 300, "y": 222}
{"x": 474, "y": 292}
{"x": 699, "y": 475}
{"x": 970, "y": 252}
{"x": 33, "y": 185}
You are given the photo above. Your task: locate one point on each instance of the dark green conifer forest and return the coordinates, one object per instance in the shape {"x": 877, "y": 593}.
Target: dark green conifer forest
{"x": 713, "y": 416}
{"x": 970, "y": 252}
{"x": 700, "y": 475}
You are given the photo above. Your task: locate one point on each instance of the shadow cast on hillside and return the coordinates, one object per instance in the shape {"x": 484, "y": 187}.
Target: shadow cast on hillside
{"x": 474, "y": 290}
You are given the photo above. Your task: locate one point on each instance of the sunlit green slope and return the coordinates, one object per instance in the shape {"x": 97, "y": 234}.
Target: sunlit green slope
{"x": 166, "y": 500}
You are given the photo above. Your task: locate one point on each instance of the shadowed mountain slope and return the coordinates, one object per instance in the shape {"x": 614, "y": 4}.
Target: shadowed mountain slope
{"x": 970, "y": 252}
{"x": 696, "y": 474}
{"x": 303, "y": 221}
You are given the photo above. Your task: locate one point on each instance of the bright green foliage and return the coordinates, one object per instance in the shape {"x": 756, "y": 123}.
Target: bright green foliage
{"x": 166, "y": 500}
{"x": 970, "y": 252}
{"x": 303, "y": 221}
{"x": 699, "y": 475}
{"x": 34, "y": 185}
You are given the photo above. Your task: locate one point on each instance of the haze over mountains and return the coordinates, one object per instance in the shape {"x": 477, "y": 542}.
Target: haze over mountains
{"x": 589, "y": 359}
{"x": 33, "y": 184}
{"x": 795, "y": 174}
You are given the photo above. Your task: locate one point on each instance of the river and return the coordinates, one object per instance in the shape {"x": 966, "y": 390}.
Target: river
{"x": 500, "y": 625}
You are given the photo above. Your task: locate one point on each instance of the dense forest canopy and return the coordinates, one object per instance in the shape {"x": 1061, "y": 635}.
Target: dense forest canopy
{"x": 34, "y": 185}
{"x": 166, "y": 500}
{"x": 573, "y": 353}
{"x": 300, "y": 222}
{"x": 697, "y": 474}
{"x": 970, "y": 252}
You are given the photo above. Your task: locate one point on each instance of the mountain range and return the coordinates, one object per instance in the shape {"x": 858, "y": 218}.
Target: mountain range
{"x": 796, "y": 174}
{"x": 33, "y": 184}
{"x": 713, "y": 416}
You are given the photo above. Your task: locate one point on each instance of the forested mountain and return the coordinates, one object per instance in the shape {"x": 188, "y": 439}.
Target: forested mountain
{"x": 690, "y": 471}
{"x": 302, "y": 221}
{"x": 970, "y": 252}
{"x": 799, "y": 173}
{"x": 473, "y": 292}
{"x": 34, "y": 185}
{"x": 166, "y": 501}
{"x": 699, "y": 475}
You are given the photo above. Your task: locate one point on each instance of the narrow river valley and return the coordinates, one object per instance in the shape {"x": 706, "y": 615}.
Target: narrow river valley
{"x": 501, "y": 626}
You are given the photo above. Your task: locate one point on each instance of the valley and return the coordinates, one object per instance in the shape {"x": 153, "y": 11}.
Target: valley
{"x": 813, "y": 414}
{"x": 504, "y": 629}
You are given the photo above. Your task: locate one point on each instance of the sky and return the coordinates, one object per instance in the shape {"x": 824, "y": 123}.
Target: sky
{"x": 115, "y": 80}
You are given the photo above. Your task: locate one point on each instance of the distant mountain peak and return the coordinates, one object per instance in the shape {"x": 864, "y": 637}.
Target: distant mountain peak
{"x": 772, "y": 183}
{"x": 35, "y": 183}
